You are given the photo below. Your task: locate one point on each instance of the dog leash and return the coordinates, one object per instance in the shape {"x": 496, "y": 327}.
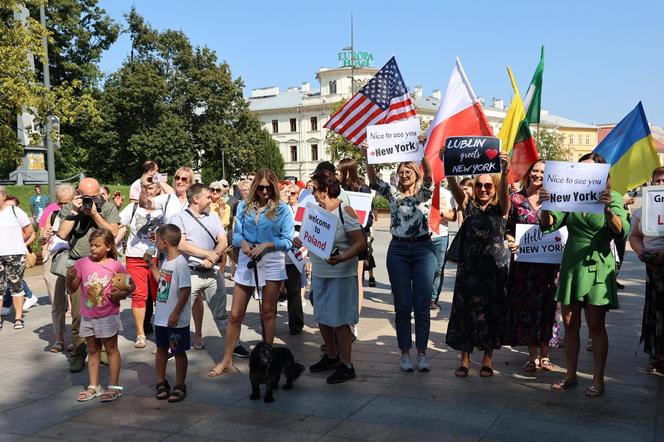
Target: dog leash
{"x": 260, "y": 298}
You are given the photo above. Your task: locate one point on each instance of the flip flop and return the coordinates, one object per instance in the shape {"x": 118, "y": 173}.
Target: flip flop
{"x": 178, "y": 393}
{"x": 546, "y": 365}
{"x": 58, "y": 347}
{"x": 199, "y": 346}
{"x": 216, "y": 372}
{"x": 593, "y": 391}
{"x": 486, "y": 371}
{"x": 564, "y": 385}
{"x": 461, "y": 372}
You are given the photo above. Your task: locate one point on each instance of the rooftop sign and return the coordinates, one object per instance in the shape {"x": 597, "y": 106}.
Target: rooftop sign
{"x": 355, "y": 59}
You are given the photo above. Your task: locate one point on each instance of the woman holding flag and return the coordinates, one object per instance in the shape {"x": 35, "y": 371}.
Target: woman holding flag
{"x": 478, "y": 305}
{"x": 587, "y": 276}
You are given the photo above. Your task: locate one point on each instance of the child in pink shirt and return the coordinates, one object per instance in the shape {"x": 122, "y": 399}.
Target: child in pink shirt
{"x": 100, "y": 310}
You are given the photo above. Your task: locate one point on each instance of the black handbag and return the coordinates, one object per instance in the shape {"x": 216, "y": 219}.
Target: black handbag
{"x": 454, "y": 250}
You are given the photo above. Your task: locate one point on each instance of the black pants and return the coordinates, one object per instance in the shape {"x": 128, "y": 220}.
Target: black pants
{"x": 293, "y": 293}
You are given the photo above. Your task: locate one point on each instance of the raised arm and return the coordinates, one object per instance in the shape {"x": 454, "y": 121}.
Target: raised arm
{"x": 503, "y": 193}
{"x": 426, "y": 168}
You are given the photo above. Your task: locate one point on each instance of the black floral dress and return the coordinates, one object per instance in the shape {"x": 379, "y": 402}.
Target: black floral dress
{"x": 531, "y": 286}
{"x": 478, "y": 306}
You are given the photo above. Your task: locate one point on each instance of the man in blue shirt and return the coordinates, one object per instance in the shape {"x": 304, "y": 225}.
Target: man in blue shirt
{"x": 38, "y": 203}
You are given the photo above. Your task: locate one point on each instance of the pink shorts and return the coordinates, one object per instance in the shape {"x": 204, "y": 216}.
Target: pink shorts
{"x": 100, "y": 328}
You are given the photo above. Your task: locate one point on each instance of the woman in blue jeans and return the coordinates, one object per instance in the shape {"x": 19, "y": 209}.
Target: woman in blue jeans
{"x": 411, "y": 260}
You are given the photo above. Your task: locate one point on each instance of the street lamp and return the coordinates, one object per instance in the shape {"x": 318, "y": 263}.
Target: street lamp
{"x": 50, "y": 154}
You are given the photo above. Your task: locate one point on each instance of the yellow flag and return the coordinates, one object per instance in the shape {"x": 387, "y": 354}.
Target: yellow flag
{"x": 515, "y": 115}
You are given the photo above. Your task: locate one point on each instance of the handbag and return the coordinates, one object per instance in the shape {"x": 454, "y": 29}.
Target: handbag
{"x": 59, "y": 263}
{"x": 454, "y": 250}
{"x": 30, "y": 260}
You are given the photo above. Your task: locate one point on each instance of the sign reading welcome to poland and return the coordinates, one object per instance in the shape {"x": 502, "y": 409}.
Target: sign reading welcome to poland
{"x": 652, "y": 218}
{"x": 394, "y": 142}
{"x": 471, "y": 155}
{"x": 535, "y": 246}
{"x": 575, "y": 187}
{"x": 317, "y": 231}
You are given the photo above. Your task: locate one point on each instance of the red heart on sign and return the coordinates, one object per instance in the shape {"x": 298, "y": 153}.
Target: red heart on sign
{"x": 558, "y": 239}
{"x": 491, "y": 153}
{"x": 372, "y": 153}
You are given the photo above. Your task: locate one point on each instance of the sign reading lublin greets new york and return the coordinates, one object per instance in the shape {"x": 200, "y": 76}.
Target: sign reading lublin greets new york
{"x": 471, "y": 155}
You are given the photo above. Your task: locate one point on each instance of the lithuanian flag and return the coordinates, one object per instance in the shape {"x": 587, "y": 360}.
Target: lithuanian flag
{"x": 516, "y": 137}
{"x": 630, "y": 149}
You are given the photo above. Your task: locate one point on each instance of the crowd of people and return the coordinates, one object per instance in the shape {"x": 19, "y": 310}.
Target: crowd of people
{"x": 169, "y": 247}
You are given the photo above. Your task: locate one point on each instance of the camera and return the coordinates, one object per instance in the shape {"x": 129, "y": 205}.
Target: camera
{"x": 88, "y": 202}
{"x": 632, "y": 193}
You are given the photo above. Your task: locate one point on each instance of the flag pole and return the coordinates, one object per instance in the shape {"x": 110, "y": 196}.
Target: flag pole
{"x": 352, "y": 57}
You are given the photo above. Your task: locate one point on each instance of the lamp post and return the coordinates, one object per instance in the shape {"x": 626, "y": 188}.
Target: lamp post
{"x": 50, "y": 154}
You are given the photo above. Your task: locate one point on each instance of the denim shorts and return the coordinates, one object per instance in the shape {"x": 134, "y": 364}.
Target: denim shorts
{"x": 177, "y": 340}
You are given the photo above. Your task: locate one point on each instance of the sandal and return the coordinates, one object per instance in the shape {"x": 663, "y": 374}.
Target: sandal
{"x": 530, "y": 366}
{"x": 58, "y": 347}
{"x": 19, "y": 324}
{"x": 112, "y": 393}
{"x": 461, "y": 372}
{"x": 70, "y": 348}
{"x": 564, "y": 385}
{"x": 140, "y": 341}
{"x": 178, "y": 394}
{"x": 163, "y": 390}
{"x": 199, "y": 345}
{"x": 546, "y": 364}
{"x": 593, "y": 391}
{"x": 216, "y": 371}
{"x": 486, "y": 371}
{"x": 89, "y": 393}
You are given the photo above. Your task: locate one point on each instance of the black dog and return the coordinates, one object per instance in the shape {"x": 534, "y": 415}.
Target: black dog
{"x": 266, "y": 365}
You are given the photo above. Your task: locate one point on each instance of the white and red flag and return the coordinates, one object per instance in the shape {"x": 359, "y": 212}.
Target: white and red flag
{"x": 460, "y": 113}
{"x": 384, "y": 99}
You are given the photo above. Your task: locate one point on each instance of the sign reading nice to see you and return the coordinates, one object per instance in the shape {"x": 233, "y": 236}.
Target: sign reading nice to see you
{"x": 535, "y": 246}
{"x": 394, "y": 142}
{"x": 317, "y": 231}
{"x": 471, "y": 155}
{"x": 575, "y": 187}
{"x": 652, "y": 217}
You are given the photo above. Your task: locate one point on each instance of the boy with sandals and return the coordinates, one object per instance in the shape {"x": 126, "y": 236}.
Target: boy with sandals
{"x": 172, "y": 312}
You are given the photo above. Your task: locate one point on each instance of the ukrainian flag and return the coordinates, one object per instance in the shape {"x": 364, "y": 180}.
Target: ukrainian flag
{"x": 630, "y": 149}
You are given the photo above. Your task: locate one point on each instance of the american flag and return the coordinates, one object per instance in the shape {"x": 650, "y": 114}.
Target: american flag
{"x": 382, "y": 100}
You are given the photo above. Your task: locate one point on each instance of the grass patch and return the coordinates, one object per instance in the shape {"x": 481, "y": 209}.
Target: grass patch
{"x": 24, "y": 192}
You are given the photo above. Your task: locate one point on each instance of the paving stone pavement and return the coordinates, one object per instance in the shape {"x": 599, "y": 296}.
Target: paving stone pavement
{"x": 38, "y": 394}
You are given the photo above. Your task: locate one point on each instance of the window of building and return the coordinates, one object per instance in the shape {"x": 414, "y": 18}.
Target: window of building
{"x": 587, "y": 139}
{"x": 275, "y": 126}
{"x": 571, "y": 139}
{"x": 580, "y": 140}
{"x": 314, "y": 123}
{"x": 293, "y": 125}
{"x": 314, "y": 152}
{"x": 333, "y": 87}
{"x": 293, "y": 153}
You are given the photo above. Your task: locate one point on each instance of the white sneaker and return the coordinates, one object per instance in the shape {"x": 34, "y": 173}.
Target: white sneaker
{"x": 29, "y": 302}
{"x": 354, "y": 330}
{"x": 422, "y": 362}
{"x": 406, "y": 363}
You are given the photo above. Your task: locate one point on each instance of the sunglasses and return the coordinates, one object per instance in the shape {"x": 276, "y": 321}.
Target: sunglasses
{"x": 264, "y": 188}
{"x": 215, "y": 190}
{"x": 485, "y": 186}
{"x": 224, "y": 185}
{"x": 184, "y": 179}
{"x": 293, "y": 193}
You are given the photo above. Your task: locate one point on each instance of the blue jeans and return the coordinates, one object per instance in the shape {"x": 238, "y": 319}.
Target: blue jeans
{"x": 7, "y": 299}
{"x": 439, "y": 248}
{"x": 410, "y": 266}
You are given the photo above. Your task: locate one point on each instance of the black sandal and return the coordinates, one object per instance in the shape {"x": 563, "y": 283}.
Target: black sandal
{"x": 486, "y": 371}
{"x": 178, "y": 394}
{"x": 19, "y": 324}
{"x": 461, "y": 372}
{"x": 163, "y": 390}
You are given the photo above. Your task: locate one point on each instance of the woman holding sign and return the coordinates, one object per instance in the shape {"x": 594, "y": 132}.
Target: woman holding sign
{"x": 650, "y": 250}
{"x": 587, "y": 276}
{"x": 334, "y": 281}
{"x": 263, "y": 231}
{"x": 478, "y": 305}
{"x": 411, "y": 259}
{"x": 531, "y": 286}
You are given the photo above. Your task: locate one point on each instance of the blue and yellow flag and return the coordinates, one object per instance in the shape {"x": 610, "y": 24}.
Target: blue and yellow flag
{"x": 630, "y": 149}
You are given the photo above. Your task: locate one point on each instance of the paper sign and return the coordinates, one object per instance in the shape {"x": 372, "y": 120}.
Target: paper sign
{"x": 318, "y": 229}
{"x": 471, "y": 155}
{"x": 298, "y": 257}
{"x": 535, "y": 246}
{"x": 652, "y": 217}
{"x": 361, "y": 203}
{"x": 306, "y": 197}
{"x": 394, "y": 142}
{"x": 575, "y": 187}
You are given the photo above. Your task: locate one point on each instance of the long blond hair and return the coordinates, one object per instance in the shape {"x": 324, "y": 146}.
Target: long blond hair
{"x": 495, "y": 179}
{"x": 412, "y": 165}
{"x": 274, "y": 199}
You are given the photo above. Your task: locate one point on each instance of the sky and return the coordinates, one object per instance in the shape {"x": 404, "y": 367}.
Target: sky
{"x": 601, "y": 57}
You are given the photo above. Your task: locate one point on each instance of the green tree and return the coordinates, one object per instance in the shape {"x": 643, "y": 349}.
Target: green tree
{"x": 550, "y": 145}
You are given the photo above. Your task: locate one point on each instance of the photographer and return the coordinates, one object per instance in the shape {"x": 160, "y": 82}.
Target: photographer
{"x": 149, "y": 169}
{"x": 85, "y": 213}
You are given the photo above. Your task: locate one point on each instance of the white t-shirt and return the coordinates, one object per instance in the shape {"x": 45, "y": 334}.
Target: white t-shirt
{"x": 446, "y": 203}
{"x": 169, "y": 204}
{"x": 651, "y": 243}
{"x": 173, "y": 275}
{"x": 12, "y": 221}
{"x": 140, "y": 226}
{"x": 135, "y": 190}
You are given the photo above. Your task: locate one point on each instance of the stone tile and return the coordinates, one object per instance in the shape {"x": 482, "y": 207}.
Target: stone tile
{"x": 355, "y": 430}
{"x": 96, "y": 432}
{"x": 279, "y": 420}
{"x": 211, "y": 428}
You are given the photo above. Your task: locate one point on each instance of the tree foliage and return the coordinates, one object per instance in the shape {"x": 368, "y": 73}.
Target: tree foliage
{"x": 550, "y": 145}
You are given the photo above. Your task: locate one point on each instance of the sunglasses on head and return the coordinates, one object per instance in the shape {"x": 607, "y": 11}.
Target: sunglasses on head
{"x": 184, "y": 179}
{"x": 264, "y": 188}
{"x": 486, "y": 186}
{"x": 224, "y": 185}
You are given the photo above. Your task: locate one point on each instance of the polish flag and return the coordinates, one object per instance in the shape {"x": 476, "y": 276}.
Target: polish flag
{"x": 460, "y": 113}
